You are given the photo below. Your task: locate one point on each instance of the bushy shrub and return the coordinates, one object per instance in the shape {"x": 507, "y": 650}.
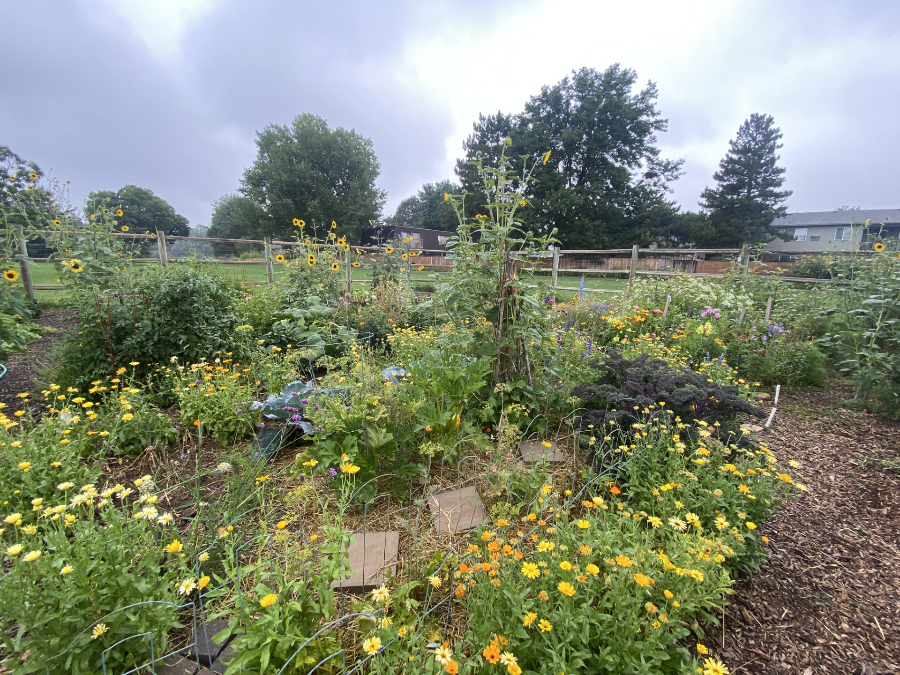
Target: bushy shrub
{"x": 184, "y": 311}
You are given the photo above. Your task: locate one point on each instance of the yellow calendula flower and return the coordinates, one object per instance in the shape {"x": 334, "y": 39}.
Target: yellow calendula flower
{"x": 31, "y": 556}
{"x": 127, "y": 417}
{"x": 25, "y": 466}
{"x": 545, "y": 626}
{"x": 68, "y": 569}
{"x": 281, "y": 524}
{"x": 99, "y": 630}
{"x": 174, "y": 547}
{"x": 530, "y": 570}
{"x": 372, "y": 645}
{"x": 14, "y": 550}
{"x": 203, "y": 582}
{"x": 350, "y": 468}
{"x": 566, "y": 588}
{"x": 643, "y": 580}
{"x": 529, "y": 619}
{"x": 583, "y": 524}
{"x": 268, "y": 600}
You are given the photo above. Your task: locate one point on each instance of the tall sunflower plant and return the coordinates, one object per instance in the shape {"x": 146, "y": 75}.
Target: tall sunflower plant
{"x": 316, "y": 265}
{"x": 495, "y": 260}
{"x": 90, "y": 253}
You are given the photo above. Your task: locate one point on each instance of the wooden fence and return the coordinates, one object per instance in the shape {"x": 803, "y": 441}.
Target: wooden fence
{"x": 624, "y": 263}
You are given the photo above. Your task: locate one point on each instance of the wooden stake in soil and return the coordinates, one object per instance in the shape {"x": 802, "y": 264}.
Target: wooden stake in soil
{"x": 768, "y": 308}
{"x": 741, "y": 317}
{"x": 666, "y": 310}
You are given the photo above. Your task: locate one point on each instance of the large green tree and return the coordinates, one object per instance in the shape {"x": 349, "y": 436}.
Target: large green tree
{"x": 314, "y": 173}
{"x": 142, "y": 210}
{"x": 605, "y": 182}
{"x": 234, "y": 217}
{"x": 747, "y": 197}
{"x": 428, "y": 208}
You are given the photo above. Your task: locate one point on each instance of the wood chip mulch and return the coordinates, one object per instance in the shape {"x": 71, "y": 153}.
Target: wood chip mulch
{"x": 827, "y": 599}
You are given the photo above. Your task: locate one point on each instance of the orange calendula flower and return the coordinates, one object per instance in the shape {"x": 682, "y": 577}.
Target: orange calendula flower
{"x": 491, "y": 653}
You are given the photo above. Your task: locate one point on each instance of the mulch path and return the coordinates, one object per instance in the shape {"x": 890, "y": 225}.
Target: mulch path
{"x": 827, "y": 599}
{"x": 25, "y": 369}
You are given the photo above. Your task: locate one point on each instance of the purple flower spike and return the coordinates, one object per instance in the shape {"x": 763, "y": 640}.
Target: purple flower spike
{"x": 332, "y": 472}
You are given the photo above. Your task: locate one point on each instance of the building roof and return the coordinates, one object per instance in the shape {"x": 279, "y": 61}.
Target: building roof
{"x": 813, "y": 218}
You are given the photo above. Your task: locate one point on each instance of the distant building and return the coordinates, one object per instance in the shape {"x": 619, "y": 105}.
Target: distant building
{"x": 835, "y": 231}
{"x": 422, "y": 238}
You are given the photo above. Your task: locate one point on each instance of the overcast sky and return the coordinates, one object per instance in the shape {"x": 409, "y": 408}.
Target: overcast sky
{"x": 168, "y": 94}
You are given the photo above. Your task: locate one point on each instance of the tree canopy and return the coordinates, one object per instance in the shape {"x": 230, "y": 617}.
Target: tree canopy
{"x": 23, "y": 200}
{"x": 314, "y": 173}
{"x": 428, "y": 208}
{"x": 747, "y": 198}
{"x": 234, "y": 217}
{"x": 604, "y": 184}
{"x": 143, "y": 211}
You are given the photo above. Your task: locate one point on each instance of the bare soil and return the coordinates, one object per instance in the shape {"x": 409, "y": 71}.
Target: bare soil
{"x": 827, "y": 599}
{"x": 24, "y": 369}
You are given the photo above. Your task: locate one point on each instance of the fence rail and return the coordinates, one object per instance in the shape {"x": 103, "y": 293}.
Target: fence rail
{"x": 559, "y": 264}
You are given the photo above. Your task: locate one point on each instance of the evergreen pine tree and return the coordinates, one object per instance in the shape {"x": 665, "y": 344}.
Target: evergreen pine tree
{"x": 747, "y": 198}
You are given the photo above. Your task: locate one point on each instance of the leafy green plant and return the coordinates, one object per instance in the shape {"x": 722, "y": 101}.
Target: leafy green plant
{"x": 864, "y": 327}
{"x": 74, "y": 562}
{"x": 292, "y": 598}
{"x": 625, "y": 388}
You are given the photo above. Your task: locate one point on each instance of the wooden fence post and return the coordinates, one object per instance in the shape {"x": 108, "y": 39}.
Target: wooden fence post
{"x": 744, "y": 260}
{"x": 349, "y": 270}
{"x": 768, "y": 309}
{"x": 270, "y": 271}
{"x": 741, "y": 317}
{"x": 163, "y": 249}
{"x": 554, "y": 273}
{"x": 27, "y": 280}
{"x": 634, "y": 261}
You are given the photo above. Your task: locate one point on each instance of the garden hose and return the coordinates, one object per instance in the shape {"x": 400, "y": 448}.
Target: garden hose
{"x": 2, "y": 372}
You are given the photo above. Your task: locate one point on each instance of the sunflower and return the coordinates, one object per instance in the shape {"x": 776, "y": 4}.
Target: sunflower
{"x": 57, "y": 222}
{"x": 11, "y": 275}
{"x": 389, "y": 250}
{"x": 345, "y": 247}
{"x": 342, "y": 240}
{"x": 333, "y": 225}
{"x": 310, "y": 260}
{"x": 331, "y": 235}
{"x": 279, "y": 258}
{"x": 76, "y": 267}
{"x": 125, "y": 228}
{"x": 421, "y": 267}
{"x": 120, "y": 212}
{"x": 33, "y": 176}
{"x": 404, "y": 256}
{"x": 356, "y": 264}
{"x": 335, "y": 267}
{"x": 879, "y": 247}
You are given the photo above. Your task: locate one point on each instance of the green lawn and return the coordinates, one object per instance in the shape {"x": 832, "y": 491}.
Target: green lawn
{"x": 45, "y": 274}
